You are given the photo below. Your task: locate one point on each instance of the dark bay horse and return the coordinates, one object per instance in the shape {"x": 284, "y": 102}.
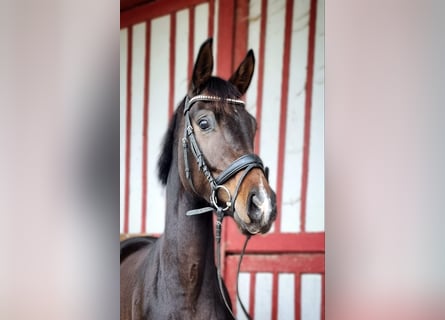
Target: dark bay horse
{"x": 207, "y": 164}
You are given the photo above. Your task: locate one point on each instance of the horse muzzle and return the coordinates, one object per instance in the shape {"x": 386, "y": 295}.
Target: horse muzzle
{"x": 260, "y": 211}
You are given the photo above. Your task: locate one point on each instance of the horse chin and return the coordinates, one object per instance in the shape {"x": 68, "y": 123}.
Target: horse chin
{"x": 252, "y": 228}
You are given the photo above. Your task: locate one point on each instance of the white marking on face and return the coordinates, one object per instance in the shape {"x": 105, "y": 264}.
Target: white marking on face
{"x": 266, "y": 206}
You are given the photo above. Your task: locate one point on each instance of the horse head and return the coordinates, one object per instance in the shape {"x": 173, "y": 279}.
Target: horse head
{"x": 216, "y": 159}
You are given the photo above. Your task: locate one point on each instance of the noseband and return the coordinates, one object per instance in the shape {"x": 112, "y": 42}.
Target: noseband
{"x": 246, "y": 162}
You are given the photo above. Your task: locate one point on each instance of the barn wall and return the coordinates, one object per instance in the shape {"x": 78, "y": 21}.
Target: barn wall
{"x": 150, "y": 106}
{"x": 280, "y": 101}
{"x": 157, "y": 59}
{"x": 287, "y": 98}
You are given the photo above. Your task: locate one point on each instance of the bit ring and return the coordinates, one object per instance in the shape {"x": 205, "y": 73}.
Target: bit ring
{"x": 214, "y": 197}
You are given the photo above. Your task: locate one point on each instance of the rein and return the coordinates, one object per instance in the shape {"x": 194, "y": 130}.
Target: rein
{"x": 246, "y": 162}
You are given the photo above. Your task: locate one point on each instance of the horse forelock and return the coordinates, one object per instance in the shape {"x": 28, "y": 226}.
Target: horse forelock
{"x": 221, "y": 88}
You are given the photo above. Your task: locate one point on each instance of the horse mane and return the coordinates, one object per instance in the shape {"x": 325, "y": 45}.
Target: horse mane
{"x": 215, "y": 86}
{"x": 166, "y": 156}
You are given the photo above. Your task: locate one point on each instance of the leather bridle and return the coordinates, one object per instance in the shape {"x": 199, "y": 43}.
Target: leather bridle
{"x": 246, "y": 162}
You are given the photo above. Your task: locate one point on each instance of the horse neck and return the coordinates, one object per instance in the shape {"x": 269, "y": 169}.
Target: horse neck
{"x": 188, "y": 238}
{"x": 191, "y": 230}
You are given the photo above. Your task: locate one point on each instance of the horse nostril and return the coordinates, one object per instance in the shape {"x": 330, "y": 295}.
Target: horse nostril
{"x": 256, "y": 203}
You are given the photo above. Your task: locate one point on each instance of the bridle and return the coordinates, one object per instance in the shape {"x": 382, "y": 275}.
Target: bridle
{"x": 246, "y": 162}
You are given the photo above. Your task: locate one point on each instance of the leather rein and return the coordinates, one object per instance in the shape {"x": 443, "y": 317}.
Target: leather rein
{"x": 246, "y": 162}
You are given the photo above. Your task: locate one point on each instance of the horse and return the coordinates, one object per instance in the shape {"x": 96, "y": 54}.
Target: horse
{"x": 207, "y": 165}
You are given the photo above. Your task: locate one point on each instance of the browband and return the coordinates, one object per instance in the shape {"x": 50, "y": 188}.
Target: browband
{"x": 190, "y": 102}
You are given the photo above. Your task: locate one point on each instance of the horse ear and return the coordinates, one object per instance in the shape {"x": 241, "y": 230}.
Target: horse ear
{"x": 243, "y": 75}
{"x": 202, "y": 70}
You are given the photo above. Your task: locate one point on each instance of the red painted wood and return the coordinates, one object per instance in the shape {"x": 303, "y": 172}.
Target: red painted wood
{"x": 287, "y": 263}
{"x": 129, "y": 4}
{"x": 260, "y": 70}
{"x": 275, "y": 264}
{"x": 274, "y": 242}
{"x": 145, "y": 125}
{"x": 230, "y": 276}
{"x": 283, "y": 110}
{"x": 241, "y": 27}
{"x": 252, "y": 294}
{"x": 282, "y": 243}
{"x": 154, "y": 10}
{"x": 226, "y": 22}
{"x": 307, "y": 112}
{"x": 297, "y": 289}
{"x": 274, "y": 295}
{"x": 322, "y": 296}
{"x": 128, "y": 132}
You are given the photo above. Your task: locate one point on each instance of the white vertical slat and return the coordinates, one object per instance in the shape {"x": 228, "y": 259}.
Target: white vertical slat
{"x": 290, "y": 210}
{"x": 137, "y": 107}
{"x": 315, "y": 192}
{"x": 272, "y": 87}
{"x": 215, "y": 36}
{"x": 286, "y": 296}
{"x": 201, "y": 27}
{"x": 263, "y": 296}
{"x": 254, "y": 44}
{"x": 181, "y": 55}
{"x": 244, "y": 293}
{"x": 123, "y": 119}
{"x": 158, "y": 119}
{"x": 311, "y": 297}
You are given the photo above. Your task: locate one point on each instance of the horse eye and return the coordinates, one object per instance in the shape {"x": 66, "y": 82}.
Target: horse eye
{"x": 204, "y": 124}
